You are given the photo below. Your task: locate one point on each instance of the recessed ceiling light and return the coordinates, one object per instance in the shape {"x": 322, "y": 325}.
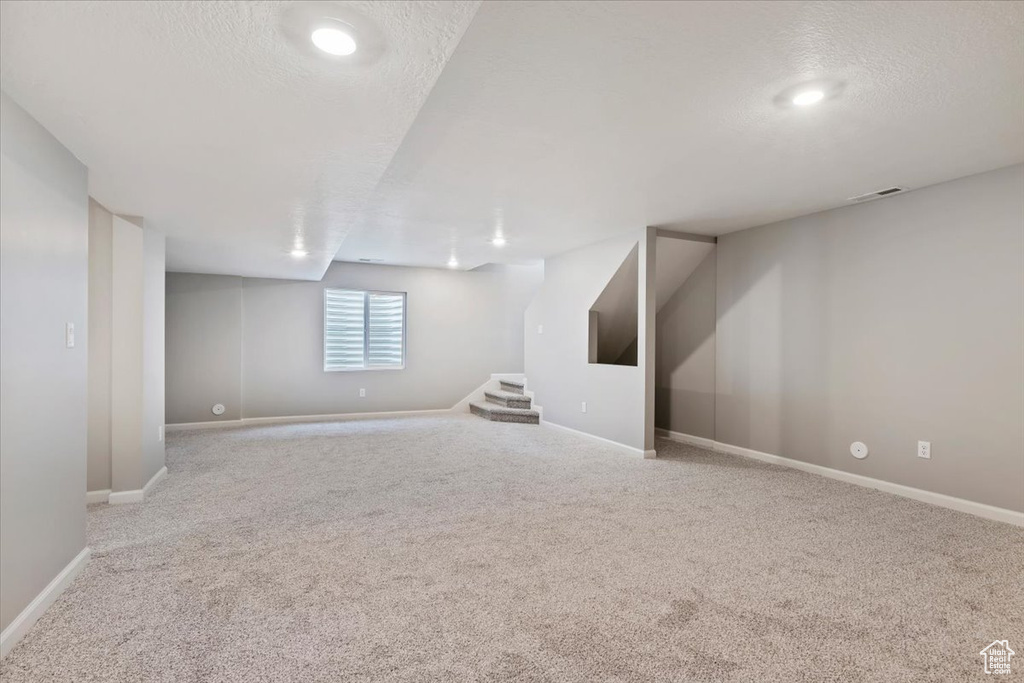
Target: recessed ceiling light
{"x": 300, "y": 253}
{"x": 809, "y": 93}
{"x": 334, "y": 41}
{"x": 453, "y": 262}
{"x": 498, "y": 241}
{"x": 808, "y": 97}
{"x": 339, "y": 32}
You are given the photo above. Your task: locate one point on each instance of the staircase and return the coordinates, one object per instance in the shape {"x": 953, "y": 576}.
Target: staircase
{"x": 510, "y": 404}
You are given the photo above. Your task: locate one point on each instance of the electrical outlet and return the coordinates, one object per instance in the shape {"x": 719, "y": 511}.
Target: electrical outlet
{"x": 540, "y": 329}
{"x": 924, "y": 449}
{"x": 160, "y": 433}
{"x": 362, "y": 393}
{"x": 69, "y": 335}
{"x": 583, "y": 408}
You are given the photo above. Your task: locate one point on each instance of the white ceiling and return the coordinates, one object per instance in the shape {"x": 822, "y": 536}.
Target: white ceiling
{"x": 563, "y": 122}
{"x": 204, "y": 119}
{"x": 570, "y": 122}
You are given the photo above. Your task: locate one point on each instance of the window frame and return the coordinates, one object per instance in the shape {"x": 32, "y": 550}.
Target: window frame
{"x": 366, "y": 330}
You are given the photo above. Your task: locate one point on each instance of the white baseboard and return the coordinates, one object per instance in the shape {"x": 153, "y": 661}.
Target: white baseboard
{"x": 125, "y": 497}
{"x": 297, "y": 419}
{"x": 341, "y": 417}
{"x": 212, "y": 424}
{"x": 639, "y": 452}
{"x": 475, "y": 395}
{"x": 686, "y": 438}
{"x": 154, "y": 480}
{"x": 650, "y": 454}
{"x": 942, "y": 500}
{"x": 93, "y": 497}
{"x": 17, "y": 629}
{"x": 138, "y": 495}
{"x": 460, "y": 407}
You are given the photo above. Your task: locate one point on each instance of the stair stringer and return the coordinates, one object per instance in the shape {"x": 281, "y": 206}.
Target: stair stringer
{"x": 493, "y": 384}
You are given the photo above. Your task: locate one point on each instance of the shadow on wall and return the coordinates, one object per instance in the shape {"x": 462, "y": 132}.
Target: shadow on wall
{"x": 828, "y": 333}
{"x": 614, "y": 317}
{"x": 765, "y": 294}
{"x": 743, "y": 379}
{"x": 825, "y": 332}
{"x": 685, "y": 356}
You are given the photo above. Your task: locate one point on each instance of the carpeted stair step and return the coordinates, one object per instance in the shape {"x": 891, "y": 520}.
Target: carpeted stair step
{"x": 499, "y": 413}
{"x": 513, "y": 386}
{"x": 508, "y": 399}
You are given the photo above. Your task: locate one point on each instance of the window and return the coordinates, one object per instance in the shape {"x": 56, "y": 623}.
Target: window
{"x": 363, "y": 330}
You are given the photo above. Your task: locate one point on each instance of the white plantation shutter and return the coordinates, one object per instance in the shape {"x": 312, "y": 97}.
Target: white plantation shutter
{"x": 344, "y": 325}
{"x": 363, "y": 330}
{"x": 385, "y": 327}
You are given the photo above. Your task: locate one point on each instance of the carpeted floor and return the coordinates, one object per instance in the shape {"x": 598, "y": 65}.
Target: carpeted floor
{"x": 457, "y": 549}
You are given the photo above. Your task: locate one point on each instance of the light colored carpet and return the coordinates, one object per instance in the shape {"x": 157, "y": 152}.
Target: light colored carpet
{"x": 457, "y": 549}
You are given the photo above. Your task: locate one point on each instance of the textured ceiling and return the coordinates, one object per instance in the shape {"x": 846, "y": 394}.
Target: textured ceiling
{"x": 567, "y": 123}
{"x": 206, "y": 120}
{"x": 561, "y": 122}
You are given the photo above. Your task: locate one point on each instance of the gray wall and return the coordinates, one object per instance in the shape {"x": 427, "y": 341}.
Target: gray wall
{"x": 556, "y": 360}
{"x": 685, "y": 374}
{"x": 101, "y": 263}
{"x": 461, "y": 327}
{"x": 44, "y": 232}
{"x": 204, "y": 347}
{"x": 889, "y": 322}
{"x": 677, "y": 255}
{"x": 137, "y": 353}
{"x": 615, "y": 315}
{"x": 126, "y": 407}
{"x": 154, "y": 276}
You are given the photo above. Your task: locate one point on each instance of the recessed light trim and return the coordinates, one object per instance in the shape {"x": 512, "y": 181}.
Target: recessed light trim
{"x": 499, "y": 241}
{"x": 299, "y": 253}
{"x": 809, "y": 93}
{"x": 453, "y": 262}
{"x": 334, "y": 41}
{"x": 808, "y": 97}
{"x": 301, "y": 18}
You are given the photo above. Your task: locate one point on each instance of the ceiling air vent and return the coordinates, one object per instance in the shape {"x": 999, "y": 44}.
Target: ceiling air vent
{"x": 370, "y": 260}
{"x": 875, "y": 195}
